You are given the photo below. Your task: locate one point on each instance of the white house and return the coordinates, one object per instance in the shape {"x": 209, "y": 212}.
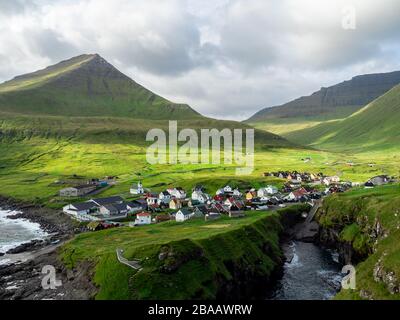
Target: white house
{"x": 237, "y": 193}
{"x": 228, "y": 189}
{"x": 220, "y": 192}
{"x": 137, "y": 188}
{"x": 183, "y": 215}
{"x": 178, "y": 193}
{"x": 82, "y": 211}
{"x": 152, "y": 200}
{"x": 269, "y": 190}
{"x": 200, "y": 196}
{"x": 143, "y": 218}
{"x": 329, "y": 180}
{"x": 165, "y": 196}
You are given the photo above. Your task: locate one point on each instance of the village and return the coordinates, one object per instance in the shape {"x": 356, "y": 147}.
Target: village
{"x": 176, "y": 204}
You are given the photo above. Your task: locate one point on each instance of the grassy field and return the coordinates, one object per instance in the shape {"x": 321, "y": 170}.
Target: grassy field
{"x": 355, "y": 215}
{"x": 30, "y": 168}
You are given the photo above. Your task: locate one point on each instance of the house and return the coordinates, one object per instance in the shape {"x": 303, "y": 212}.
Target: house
{"x": 269, "y": 190}
{"x": 142, "y": 202}
{"x": 175, "y": 204}
{"x": 218, "y": 208}
{"x": 220, "y": 192}
{"x": 294, "y": 183}
{"x": 200, "y": 196}
{"x": 296, "y": 195}
{"x": 200, "y": 211}
{"x": 331, "y": 180}
{"x": 183, "y": 215}
{"x": 152, "y": 200}
{"x": 137, "y": 188}
{"x": 82, "y": 209}
{"x": 143, "y": 218}
{"x": 110, "y": 200}
{"x": 115, "y": 210}
{"x": 164, "y": 196}
{"x": 251, "y": 194}
{"x": 237, "y": 193}
{"x": 136, "y": 206}
{"x": 77, "y": 191}
{"x": 379, "y": 180}
{"x": 228, "y": 189}
{"x": 178, "y": 193}
{"x": 234, "y": 204}
{"x": 193, "y": 203}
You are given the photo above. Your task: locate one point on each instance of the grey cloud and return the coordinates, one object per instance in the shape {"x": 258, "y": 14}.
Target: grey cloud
{"x": 12, "y": 6}
{"x": 254, "y": 54}
{"x": 48, "y": 43}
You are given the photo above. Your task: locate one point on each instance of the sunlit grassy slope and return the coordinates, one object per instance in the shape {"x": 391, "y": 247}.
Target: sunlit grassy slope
{"x": 86, "y": 85}
{"x": 30, "y": 164}
{"x": 284, "y": 126}
{"x": 375, "y": 127}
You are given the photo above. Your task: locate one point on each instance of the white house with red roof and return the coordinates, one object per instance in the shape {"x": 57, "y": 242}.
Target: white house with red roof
{"x": 143, "y": 218}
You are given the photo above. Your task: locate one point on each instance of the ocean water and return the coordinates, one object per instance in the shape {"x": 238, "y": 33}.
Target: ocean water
{"x": 313, "y": 274}
{"x": 16, "y": 232}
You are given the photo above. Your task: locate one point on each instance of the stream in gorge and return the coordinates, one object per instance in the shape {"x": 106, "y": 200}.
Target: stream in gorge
{"x": 312, "y": 273}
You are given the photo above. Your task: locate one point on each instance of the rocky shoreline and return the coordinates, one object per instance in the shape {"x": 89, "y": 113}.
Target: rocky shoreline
{"x": 54, "y": 222}
{"x": 21, "y": 279}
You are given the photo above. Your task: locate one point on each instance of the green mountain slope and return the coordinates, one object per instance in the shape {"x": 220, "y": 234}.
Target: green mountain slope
{"x": 336, "y": 102}
{"x": 376, "y": 126}
{"x": 86, "y": 85}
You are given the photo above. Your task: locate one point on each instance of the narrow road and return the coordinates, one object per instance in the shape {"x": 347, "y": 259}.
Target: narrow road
{"x": 135, "y": 264}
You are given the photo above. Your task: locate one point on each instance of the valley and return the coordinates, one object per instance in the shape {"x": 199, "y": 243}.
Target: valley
{"x": 82, "y": 119}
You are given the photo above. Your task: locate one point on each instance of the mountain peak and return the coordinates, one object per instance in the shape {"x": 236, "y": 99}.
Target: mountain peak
{"x": 86, "y": 85}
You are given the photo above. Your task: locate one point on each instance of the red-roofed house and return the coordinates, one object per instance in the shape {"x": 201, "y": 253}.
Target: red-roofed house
{"x": 143, "y": 218}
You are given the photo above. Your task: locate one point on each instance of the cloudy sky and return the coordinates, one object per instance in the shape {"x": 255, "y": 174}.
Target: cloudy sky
{"x": 226, "y": 58}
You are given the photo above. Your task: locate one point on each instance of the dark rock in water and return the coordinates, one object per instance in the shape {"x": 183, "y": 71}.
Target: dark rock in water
{"x": 2, "y": 254}
{"x": 26, "y": 246}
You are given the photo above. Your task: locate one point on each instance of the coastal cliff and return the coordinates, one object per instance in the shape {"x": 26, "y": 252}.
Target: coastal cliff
{"x": 241, "y": 263}
{"x": 364, "y": 227}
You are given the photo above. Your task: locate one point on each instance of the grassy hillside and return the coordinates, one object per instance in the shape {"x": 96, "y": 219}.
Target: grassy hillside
{"x": 34, "y": 168}
{"x": 202, "y": 258}
{"x": 332, "y": 103}
{"x": 113, "y": 129}
{"x": 369, "y": 221}
{"x": 374, "y": 127}
{"x": 86, "y": 85}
